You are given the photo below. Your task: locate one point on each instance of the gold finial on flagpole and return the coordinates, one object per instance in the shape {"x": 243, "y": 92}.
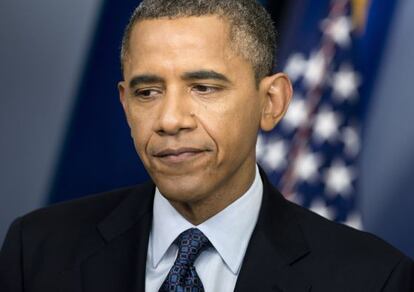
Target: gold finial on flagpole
{"x": 360, "y": 13}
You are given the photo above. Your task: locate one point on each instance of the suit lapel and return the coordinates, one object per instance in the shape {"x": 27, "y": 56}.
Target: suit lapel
{"x": 277, "y": 243}
{"x": 117, "y": 261}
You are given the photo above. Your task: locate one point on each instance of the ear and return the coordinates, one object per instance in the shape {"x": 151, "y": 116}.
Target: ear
{"x": 121, "y": 92}
{"x": 277, "y": 92}
{"x": 123, "y": 98}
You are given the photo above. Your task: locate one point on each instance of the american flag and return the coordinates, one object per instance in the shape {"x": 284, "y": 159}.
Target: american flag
{"x": 312, "y": 156}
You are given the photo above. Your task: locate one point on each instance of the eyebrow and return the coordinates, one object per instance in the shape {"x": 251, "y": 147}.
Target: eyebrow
{"x": 205, "y": 74}
{"x": 145, "y": 79}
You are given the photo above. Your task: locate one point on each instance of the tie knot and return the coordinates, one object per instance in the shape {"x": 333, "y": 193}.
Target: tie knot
{"x": 190, "y": 244}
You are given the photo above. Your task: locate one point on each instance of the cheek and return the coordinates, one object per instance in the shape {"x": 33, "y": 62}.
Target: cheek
{"x": 141, "y": 126}
{"x": 232, "y": 125}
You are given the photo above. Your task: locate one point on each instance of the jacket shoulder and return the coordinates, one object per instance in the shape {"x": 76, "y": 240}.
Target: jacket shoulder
{"x": 76, "y": 215}
{"x": 42, "y": 244}
{"x": 325, "y": 235}
{"x": 348, "y": 255}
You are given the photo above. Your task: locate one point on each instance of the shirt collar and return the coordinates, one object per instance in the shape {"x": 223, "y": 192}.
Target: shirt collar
{"x": 229, "y": 231}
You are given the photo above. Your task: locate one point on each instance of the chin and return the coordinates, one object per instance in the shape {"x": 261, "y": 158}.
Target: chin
{"x": 185, "y": 190}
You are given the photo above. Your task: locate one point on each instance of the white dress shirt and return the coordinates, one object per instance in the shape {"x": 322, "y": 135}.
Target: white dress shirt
{"x": 229, "y": 232}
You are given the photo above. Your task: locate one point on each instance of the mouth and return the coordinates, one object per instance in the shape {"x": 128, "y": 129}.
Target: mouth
{"x": 179, "y": 155}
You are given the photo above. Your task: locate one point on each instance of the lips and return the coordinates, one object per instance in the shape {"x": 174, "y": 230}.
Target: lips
{"x": 179, "y": 154}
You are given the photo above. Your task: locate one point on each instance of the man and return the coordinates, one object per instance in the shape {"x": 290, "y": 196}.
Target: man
{"x": 197, "y": 88}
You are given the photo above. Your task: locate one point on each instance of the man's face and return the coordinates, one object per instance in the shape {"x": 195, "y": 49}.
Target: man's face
{"x": 193, "y": 108}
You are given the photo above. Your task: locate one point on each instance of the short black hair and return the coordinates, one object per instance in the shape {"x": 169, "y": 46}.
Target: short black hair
{"x": 252, "y": 32}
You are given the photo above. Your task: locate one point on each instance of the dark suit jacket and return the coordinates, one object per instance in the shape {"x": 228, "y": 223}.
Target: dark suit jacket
{"x": 99, "y": 244}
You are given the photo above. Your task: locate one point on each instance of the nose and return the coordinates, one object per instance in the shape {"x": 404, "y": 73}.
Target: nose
{"x": 175, "y": 114}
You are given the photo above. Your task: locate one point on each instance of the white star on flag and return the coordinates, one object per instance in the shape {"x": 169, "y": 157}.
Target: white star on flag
{"x": 326, "y": 125}
{"x": 296, "y": 115}
{"x": 307, "y": 165}
{"x": 345, "y": 83}
{"x": 273, "y": 156}
{"x": 339, "y": 30}
{"x": 315, "y": 70}
{"x": 319, "y": 207}
{"x": 296, "y": 66}
{"x": 338, "y": 179}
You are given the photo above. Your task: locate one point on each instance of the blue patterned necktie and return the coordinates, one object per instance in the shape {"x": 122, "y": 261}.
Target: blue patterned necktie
{"x": 183, "y": 276}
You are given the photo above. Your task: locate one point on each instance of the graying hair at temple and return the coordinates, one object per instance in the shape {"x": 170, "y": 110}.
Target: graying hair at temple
{"x": 252, "y": 32}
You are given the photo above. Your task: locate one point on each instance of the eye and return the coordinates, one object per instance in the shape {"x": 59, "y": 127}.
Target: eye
{"x": 147, "y": 93}
{"x": 205, "y": 89}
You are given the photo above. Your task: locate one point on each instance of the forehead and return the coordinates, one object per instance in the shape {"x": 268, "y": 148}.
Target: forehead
{"x": 188, "y": 41}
